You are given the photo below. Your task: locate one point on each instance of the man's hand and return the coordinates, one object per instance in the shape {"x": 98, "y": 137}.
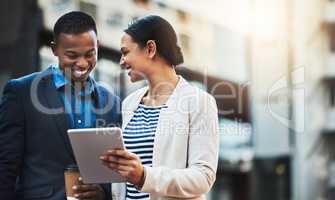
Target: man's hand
{"x": 88, "y": 191}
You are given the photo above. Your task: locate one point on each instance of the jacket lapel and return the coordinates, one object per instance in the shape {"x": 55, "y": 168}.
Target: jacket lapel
{"x": 129, "y": 109}
{"x": 174, "y": 104}
{"x": 53, "y": 101}
{"x": 100, "y": 106}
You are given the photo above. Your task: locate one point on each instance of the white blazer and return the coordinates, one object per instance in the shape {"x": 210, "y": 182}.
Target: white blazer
{"x": 186, "y": 145}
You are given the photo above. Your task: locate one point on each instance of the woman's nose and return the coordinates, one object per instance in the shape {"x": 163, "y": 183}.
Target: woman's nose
{"x": 122, "y": 63}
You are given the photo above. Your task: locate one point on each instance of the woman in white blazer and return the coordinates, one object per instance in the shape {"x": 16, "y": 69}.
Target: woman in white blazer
{"x": 181, "y": 119}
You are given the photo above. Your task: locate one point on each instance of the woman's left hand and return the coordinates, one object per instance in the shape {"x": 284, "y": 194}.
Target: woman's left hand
{"x": 127, "y": 164}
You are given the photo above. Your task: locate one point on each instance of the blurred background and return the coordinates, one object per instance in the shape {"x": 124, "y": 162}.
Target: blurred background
{"x": 269, "y": 63}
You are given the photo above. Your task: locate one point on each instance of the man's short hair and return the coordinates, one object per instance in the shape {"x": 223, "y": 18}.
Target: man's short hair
{"x": 74, "y": 22}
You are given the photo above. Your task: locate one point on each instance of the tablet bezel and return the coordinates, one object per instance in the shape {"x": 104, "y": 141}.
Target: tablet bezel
{"x": 88, "y": 145}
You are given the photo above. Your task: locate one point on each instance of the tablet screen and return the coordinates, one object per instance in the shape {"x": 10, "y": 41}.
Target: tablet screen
{"x": 88, "y": 145}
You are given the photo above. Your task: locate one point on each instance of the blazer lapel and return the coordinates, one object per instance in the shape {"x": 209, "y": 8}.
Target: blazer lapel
{"x": 101, "y": 100}
{"x": 173, "y": 107}
{"x": 62, "y": 119}
{"x": 129, "y": 109}
{"x": 165, "y": 116}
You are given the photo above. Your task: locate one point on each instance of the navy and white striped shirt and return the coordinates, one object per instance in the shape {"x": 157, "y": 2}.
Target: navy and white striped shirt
{"x": 138, "y": 137}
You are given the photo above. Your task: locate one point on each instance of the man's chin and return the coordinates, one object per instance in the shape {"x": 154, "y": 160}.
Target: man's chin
{"x": 79, "y": 79}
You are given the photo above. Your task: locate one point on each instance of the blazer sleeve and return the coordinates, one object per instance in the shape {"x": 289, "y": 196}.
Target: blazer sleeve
{"x": 198, "y": 178}
{"x": 11, "y": 140}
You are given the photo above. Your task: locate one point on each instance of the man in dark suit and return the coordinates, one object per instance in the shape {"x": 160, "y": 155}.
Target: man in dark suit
{"x": 36, "y": 111}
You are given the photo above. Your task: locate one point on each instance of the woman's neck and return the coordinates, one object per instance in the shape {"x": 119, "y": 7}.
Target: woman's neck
{"x": 161, "y": 85}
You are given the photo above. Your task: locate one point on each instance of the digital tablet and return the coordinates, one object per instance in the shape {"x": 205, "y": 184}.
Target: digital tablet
{"x": 88, "y": 145}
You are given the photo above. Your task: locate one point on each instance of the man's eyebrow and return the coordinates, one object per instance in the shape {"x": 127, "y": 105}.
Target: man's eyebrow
{"x": 91, "y": 50}
{"x": 71, "y": 52}
{"x": 74, "y": 52}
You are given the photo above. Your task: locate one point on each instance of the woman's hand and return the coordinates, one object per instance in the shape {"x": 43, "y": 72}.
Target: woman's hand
{"x": 127, "y": 164}
{"x": 88, "y": 191}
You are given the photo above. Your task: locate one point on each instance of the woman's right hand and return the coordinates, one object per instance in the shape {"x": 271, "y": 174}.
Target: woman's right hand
{"x": 127, "y": 164}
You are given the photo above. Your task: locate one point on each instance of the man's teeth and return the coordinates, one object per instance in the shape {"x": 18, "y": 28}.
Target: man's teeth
{"x": 79, "y": 73}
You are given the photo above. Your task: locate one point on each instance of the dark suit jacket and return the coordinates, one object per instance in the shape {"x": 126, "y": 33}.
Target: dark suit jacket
{"x": 34, "y": 146}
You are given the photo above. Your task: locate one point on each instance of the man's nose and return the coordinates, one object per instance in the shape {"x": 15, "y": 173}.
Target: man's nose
{"x": 82, "y": 62}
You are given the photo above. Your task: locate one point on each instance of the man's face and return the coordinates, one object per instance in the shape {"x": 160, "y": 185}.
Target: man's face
{"x": 77, "y": 54}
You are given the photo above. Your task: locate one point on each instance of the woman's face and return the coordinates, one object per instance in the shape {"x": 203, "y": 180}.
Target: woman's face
{"x": 133, "y": 59}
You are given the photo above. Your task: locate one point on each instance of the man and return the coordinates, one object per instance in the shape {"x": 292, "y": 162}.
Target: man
{"x": 37, "y": 110}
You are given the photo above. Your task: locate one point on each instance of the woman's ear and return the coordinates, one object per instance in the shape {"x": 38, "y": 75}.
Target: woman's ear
{"x": 151, "y": 48}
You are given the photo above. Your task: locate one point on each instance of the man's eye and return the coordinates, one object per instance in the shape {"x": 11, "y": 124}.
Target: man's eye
{"x": 90, "y": 54}
{"x": 72, "y": 56}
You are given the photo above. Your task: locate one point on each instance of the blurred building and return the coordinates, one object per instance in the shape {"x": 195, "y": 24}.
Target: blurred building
{"x": 21, "y": 23}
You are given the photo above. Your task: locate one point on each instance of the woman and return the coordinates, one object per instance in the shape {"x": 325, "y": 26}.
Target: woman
{"x": 170, "y": 127}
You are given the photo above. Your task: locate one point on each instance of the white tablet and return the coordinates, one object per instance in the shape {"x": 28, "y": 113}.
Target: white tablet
{"x": 88, "y": 145}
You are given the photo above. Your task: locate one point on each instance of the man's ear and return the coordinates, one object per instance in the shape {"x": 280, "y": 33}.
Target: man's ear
{"x": 151, "y": 48}
{"x": 53, "y": 46}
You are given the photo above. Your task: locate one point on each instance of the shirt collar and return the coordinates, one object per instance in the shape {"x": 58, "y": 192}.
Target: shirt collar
{"x": 60, "y": 81}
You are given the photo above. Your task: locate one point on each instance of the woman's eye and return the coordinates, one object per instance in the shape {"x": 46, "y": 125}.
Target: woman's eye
{"x": 124, "y": 52}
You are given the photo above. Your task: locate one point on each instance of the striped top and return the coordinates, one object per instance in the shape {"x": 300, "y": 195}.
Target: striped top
{"x": 138, "y": 137}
